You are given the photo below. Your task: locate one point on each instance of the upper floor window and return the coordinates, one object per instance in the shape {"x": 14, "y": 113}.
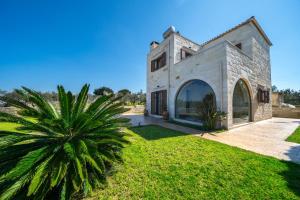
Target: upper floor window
{"x": 185, "y": 54}
{"x": 239, "y": 45}
{"x": 159, "y": 62}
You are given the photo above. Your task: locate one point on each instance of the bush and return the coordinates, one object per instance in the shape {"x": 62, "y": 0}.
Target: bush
{"x": 59, "y": 153}
{"x": 209, "y": 114}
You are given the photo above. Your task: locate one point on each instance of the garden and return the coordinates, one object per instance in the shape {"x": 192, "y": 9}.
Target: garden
{"x": 84, "y": 151}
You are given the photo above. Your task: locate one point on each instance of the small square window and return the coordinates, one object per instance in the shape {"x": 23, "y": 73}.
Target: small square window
{"x": 184, "y": 54}
{"x": 239, "y": 45}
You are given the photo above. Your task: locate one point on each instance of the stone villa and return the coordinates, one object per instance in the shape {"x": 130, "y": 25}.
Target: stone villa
{"x": 234, "y": 68}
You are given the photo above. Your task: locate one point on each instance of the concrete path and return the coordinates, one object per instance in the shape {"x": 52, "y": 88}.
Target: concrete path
{"x": 265, "y": 137}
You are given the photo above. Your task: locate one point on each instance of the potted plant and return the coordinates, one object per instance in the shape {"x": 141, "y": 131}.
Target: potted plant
{"x": 165, "y": 115}
{"x": 146, "y": 113}
{"x": 210, "y": 116}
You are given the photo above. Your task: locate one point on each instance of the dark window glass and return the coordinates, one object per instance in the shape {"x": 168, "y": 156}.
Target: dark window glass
{"x": 158, "y": 102}
{"x": 239, "y": 45}
{"x": 190, "y": 99}
{"x": 184, "y": 54}
{"x": 159, "y": 62}
{"x": 241, "y": 103}
{"x": 263, "y": 96}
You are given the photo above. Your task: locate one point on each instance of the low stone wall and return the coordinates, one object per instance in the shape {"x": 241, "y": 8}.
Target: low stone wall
{"x": 286, "y": 112}
{"x": 10, "y": 110}
{"x": 136, "y": 109}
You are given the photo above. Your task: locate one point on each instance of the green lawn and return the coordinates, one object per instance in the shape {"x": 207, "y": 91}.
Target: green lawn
{"x": 165, "y": 164}
{"x": 8, "y": 126}
{"x": 295, "y": 137}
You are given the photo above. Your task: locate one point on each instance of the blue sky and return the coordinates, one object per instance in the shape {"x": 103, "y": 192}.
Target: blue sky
{"x": 104, "y": 43}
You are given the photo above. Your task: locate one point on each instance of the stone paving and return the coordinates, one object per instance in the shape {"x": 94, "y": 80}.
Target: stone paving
{"x": 265, "y": 137}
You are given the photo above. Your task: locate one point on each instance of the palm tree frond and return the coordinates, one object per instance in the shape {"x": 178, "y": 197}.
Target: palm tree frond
{"x": 63, "y": 152}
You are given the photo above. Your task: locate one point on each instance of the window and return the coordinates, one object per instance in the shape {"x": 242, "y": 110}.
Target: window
{"x": 191, "y": 98}
{"x": 184, "y": 54}
{"x": 158, "y": 102}
{"x": 159, "y": 62}
{"x": 263, "y": 96}
{"x": 241, "y": 103}
{"x": 239, "y": 45}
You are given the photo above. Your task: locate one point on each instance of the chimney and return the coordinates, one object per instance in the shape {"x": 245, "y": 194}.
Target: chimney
{"x": 153, "y": 45}
{"x": 169, "y": 32}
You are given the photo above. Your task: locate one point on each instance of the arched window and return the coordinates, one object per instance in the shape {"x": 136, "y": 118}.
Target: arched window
{"x": 241, "y": 103}
{"x": 191, "y": 98}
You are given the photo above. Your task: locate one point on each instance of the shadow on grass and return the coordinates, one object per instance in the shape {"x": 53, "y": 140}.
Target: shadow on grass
{"x": 292, "y": 175}
{"x": 154, "y": 132}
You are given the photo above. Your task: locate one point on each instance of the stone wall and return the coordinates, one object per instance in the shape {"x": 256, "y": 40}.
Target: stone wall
{"x": 286, "y": 112}
{"x": 207, "y": 65}
{"x": 180, "y": 42}
{"x": 242, "y": 35}
{"x": 158, "y": 80}
{"x": 220, "y": 64}
{"x": 10, "y": 110}
{"x": 255, "y": 73}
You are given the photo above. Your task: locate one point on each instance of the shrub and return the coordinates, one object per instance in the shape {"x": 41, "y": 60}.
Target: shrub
{"x": 59, "y": 153}
{"x": 209, "y": 114}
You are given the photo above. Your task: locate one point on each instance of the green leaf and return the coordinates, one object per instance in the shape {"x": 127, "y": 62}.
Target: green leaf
{"x": 79, "y": 168}
{"x": 66, "y": 150}
{"x": 80, "y": 101}
{"x": 70, "y": 151}
{"x": 25, "y": 164}
{"x": 39, "y": 177}
{"x": 15, "y": 187}
{"x": 44, "y": 106}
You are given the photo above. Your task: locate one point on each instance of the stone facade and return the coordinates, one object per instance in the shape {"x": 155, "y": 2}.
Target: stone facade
{"x": 220, "y": 64}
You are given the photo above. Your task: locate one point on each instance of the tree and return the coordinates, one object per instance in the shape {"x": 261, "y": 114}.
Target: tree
{"x": 141, "y": 97}
{"x": 50, "y": 96}
{"x": 59, "y": 153}
{"x": 14, "y": 94}
{"x": 274, "y": 88}
{"x": 103, "y": 91}
{"x": 124, "y": 92}
{"x": 2, "y": 92}
{"x": 291, "y": 96}
{"x": 133, "y": 98}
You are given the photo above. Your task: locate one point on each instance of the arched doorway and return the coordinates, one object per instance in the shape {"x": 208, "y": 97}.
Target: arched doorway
{"x": 241, "y": 108}
{"x": 190, "y": 99}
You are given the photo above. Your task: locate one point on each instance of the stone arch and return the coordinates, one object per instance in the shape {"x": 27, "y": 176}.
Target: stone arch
{"x": 247, "y": 82}
{"x": 242, "y": 98}
{"x": 188, "y": 98}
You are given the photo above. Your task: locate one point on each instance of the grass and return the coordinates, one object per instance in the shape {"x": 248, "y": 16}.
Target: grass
{"x": 295, "y": 137}
{"x": 8, "y": 126}
{"x": 166, "y": 164}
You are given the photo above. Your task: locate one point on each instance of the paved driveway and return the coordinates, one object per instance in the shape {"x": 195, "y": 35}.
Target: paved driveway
{"x": 265, "y": 137}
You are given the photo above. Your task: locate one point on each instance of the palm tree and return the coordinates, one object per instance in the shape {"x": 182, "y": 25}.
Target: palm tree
{"x": 59, "y": 153}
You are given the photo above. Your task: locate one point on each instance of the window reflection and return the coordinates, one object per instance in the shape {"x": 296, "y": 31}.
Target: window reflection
{"x": 190, "y": 100}
{"x": 241, "y": 103}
